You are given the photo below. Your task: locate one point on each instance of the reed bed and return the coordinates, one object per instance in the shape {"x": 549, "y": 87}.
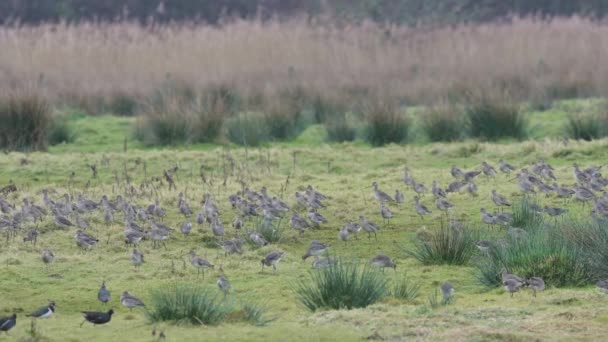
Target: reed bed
{"x": 93, "y": 63}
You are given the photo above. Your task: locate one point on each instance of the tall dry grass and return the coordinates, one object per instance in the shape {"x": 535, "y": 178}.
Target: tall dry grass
{"x": 532, "y": 58}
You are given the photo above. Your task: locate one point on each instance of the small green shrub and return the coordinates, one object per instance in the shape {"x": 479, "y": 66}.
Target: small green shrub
{"x": 271, "y": 231}
{"x": 385, "y": 123}
{"x": 339, "y": 129}
{"x": 326, "y": 108}
{"x": 247, "y": 129}
{"x": 492, "y": 117}
{"x": 585, "y": 127}
{"x": 255, "y": 313}
{"x": 543, "y": 253}
{"x": 341, "y": 285}
{"x": 443, "y": 124}
{"x": 186, "y": 303}
{"x": 526, "y": 215}
{"x": 405, "y": 289}
{"x": 25, "y": 120}
{"x": 60, "y": 131}
{"x": 445, "y": 246}
{"x": 180, "y": 115}
{"x": 591, "y": 237}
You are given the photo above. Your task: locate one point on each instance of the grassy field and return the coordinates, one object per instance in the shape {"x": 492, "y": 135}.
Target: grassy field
{"x": 342, "y": 171}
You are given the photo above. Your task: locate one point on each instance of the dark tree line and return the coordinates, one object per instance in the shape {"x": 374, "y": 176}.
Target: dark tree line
{"x": 211, "y": 11}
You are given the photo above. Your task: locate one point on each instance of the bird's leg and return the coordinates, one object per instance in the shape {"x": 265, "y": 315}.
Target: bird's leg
{"x": 82, "y": 323}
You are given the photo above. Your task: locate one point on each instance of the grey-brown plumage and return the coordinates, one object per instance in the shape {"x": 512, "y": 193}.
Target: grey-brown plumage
{"x": 554, "y": 211}
{"x": 137, "y": 258}
{"x": 47, "y": 257}
{"x": 386, "y": 213}
{"x": 512, "y": 286}
{"x": 223, "y": 284}
{"x": 103, "y": 295}
{"x": 537, "y": 284}
{"x": 437, "y": 191}
{"x": 382, "y": 261}
{"x": 399, "y": 198}
{"x": 483, "y": 245}
{"x": 505, "y": 167}
{"x": 369, "y": 227}
{"x": 130, "y": 301}
{"x": 447, "y": 291}
{"x": 488, "y": 169}
{"x": 442, "y": 204}
{"x": 186, "y": 228}
{"x": 344, "y": 235}
{"x": 602, "y": 285}
{"x": 420, "y": 208}
{"x": 298, "y": 223}
{"x": 257, "y": 239}
{"x": 499, "y": 199}
{"x": 84, "y": 240}
{"x": 62, "y": 221}
{"x": 380, "y": 195}
{"x": 200, "y": 263}
{"x": 272, "y": 259}
{"x": 315, "y": 248}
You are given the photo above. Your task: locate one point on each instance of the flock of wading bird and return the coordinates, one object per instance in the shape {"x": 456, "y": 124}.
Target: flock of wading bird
{"x": 144, "y": 223}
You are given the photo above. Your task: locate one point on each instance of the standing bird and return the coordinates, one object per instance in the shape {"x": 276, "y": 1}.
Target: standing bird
{"x": 369, "y": 227}
{"x": 437, "y": 191}
{"x": 223, "y": 284}
{"x": 186, "y": 228}
{"x": 130, "y": 301}
{"x": 488, "y": 169}
{"x": 272, "y": 259}
{"x": 421, "y": 209}
{"x": 7, "y": 323}
{"x": 399, "y": 198}
{"x": 344, "y": 235}
{"x": 298, "y": 223}
{"x": 447, "y": 290}
{"x": 499, "y": 200}
{"x": 315, "y": 217}
{"x": 199, "y": 263}
{"x": 511, "y": 286}
{"x": 456, "y": 172}
{"x": 443, "y": 205}
{"x": 386, "y": 213}
{"x": 505, "y": 167}
{"x": 137, "y": 258}
{"x": 536, "y": 283}
{"x": 380, "y": 195}
{"x": 47, "y": 257}
{"x": 44, "y": 312}
{"x": 97, "y": 317}
{"x": 103, "y": 294}
{"x": 488, "y": 218}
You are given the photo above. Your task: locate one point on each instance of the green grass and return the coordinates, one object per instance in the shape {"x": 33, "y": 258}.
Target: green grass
{"x": 477, "y": 313}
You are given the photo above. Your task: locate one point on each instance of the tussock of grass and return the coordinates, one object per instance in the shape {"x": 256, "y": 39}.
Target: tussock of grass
{"x": 25, "y": 121}
{"x": 585, "y": 127}
{"x": 542, "y": 253}
{"x": 495, "y": 116}
{"x": 247, "y": 129}
{"x": 385, "y": 122}
{"x": 443, "y": 123}
{"x": 342, "y": 285}
{"x": 405, "y": 289}
{"x": 339, "y": 129}
{"x": 526, "y": 214}
{"x": 445, "y": 246}
{"x": 186, "y": 303}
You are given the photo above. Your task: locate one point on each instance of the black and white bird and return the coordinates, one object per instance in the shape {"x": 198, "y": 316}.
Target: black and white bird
{"x": 7, "y": 323}
{"x": 44, "y": 312}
